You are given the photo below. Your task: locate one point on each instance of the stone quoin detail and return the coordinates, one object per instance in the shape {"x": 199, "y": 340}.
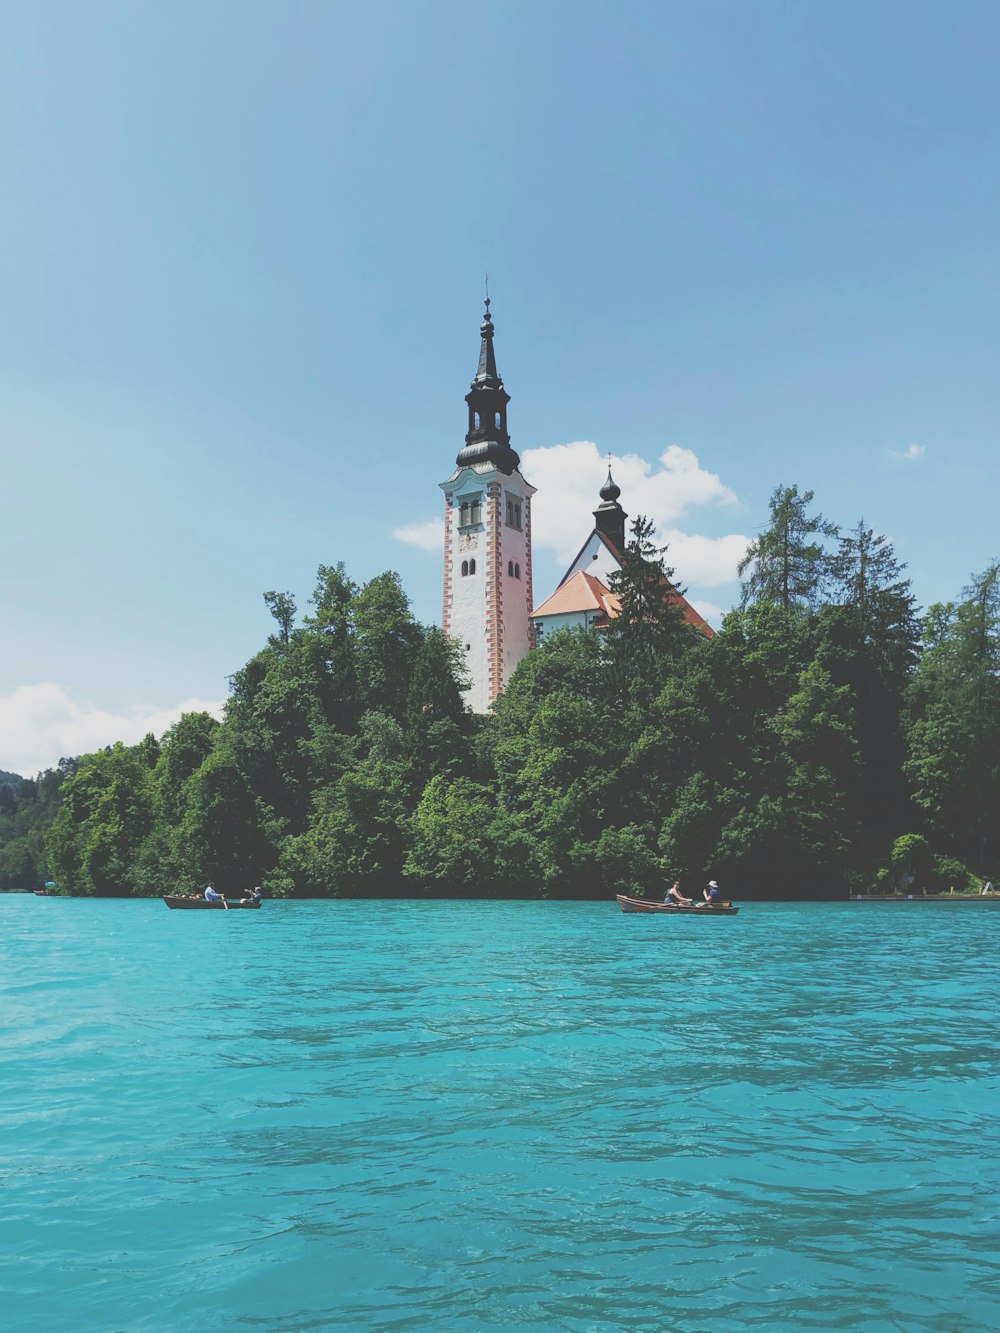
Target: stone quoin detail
{"x": 488, "y": 520}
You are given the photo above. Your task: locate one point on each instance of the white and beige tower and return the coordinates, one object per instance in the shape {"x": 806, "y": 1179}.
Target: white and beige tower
{"x": 487, "y": 542}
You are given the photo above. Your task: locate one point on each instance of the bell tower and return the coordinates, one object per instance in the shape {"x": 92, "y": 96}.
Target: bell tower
{"x": 609, "y": 516}
{"x": 487, "y": 542}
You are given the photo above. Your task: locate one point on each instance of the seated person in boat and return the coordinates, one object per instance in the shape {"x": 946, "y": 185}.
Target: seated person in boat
{"x": 713, "y": 895}
{"x": 674, "y": 897}
{"x": 212, "y": 895}
{"x": 252, "y": 897}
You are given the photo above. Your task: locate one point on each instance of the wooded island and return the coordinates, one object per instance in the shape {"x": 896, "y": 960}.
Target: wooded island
{"x": 826, "y": 740}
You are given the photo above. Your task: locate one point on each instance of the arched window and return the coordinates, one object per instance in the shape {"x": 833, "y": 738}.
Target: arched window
{"x": 510, "y": 568}
{"x": 497, "y": 422}
{"x": 465, "y": 568}
{"x": 475, "y": 421}
{"x": 472, "y": 566}
{"x": 517, "y": 570}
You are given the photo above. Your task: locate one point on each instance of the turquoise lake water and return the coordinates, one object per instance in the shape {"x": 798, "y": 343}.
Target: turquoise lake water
{"x": 402, "y": 1116}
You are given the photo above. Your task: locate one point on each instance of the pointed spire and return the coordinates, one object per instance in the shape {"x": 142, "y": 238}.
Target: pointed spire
{"x": 486, "y": 375}
{"x": 487, "y": 440}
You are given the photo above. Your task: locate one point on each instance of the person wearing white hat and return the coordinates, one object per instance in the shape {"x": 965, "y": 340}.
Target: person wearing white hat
{"x": 713, "y": 894}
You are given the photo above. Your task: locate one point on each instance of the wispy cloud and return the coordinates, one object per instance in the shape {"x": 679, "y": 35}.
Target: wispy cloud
{"x": 41, "y": 724}
{"x": 908, "y": 455}
{"x": 427, "y": 536}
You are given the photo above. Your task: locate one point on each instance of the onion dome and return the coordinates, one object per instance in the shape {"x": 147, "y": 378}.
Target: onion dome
{"x": 609, "y": 516}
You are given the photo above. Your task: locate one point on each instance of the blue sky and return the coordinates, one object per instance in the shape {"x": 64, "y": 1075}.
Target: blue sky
{"x": 241, "y": 258}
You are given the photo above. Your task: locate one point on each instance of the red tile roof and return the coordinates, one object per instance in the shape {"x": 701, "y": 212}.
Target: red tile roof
{"x": 585, "y": 593}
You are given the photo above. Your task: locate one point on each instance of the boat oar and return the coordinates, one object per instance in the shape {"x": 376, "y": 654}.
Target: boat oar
{"x": 224, "y": 903}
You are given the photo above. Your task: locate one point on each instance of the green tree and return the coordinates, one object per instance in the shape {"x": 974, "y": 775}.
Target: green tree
{"x": 95, "y": 840}
{"x": 788, "y": 564}
{"x": 645, "y": 640}
{"x": 462, "y": 844}
{"x": 868, "y": 638}
{"x": 438, "y": 723}
{"x": 27, "y": 809}
{"x": 911, "y": 860}
{"x": 954, "y": 732}
{"x": 387, "y": 641}
{"x": 355, "y": 843}
{"x": 282, "y": 606}
{"x": 227, "y": 833}
{"x": 159, "y": 865}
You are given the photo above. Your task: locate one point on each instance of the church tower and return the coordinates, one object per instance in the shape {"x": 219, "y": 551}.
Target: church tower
{"x": 487, "y": 539}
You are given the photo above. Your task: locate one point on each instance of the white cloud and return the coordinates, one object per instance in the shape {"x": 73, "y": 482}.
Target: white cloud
{"x": 427, "y": 536}
{"x": 41, "y": 724}
{"x": 908, "y": 455}
{"x": 707, "y": 561}
{"x": 569, "y": 476}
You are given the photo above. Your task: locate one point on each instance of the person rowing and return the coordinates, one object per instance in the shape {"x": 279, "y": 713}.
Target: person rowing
{"x": 713, "y": 895}
{"x": 674, "y": 898}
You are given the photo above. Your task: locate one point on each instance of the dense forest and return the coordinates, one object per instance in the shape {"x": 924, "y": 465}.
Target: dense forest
{"x": 825, "y": 739}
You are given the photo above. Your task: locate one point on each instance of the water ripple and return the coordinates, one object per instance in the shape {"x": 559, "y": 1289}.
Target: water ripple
{"x": 382, "y": 1116}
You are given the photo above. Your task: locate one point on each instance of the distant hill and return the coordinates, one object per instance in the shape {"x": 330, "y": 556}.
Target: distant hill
{"x": 10, "y": 779}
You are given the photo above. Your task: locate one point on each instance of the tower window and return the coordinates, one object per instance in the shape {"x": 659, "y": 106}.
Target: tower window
{"x": 517, "y": 570}
{"x": 513, "y": 513}
{"x": 465, "y": 568}
{"x": 510, "y": 568}
{"x": 472, "y": 566}
{"x": 513, "y": 569}
{"x": 497, "y": 422}
{"x": 476, "y": 422}
{"x": 470, "y": 511}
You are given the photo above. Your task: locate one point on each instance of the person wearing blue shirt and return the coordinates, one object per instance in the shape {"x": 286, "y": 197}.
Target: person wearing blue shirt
{"x": 713, "y": 894}
{"x": 212, "y": 895}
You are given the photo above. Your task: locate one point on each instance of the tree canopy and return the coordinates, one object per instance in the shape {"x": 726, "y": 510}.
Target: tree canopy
{"x": 825, "y": 738}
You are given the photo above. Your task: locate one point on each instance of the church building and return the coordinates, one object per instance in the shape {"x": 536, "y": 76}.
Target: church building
{"x": 487, "y": 549}
{"x": 583, "y": 599}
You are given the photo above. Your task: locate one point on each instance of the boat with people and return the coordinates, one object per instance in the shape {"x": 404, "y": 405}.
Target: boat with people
{"x": 650, "y": 905}
{"x": 200, "y": 904}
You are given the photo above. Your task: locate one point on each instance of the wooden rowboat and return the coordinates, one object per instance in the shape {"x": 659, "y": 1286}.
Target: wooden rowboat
{"x": 672, "y": 909}
{"x": 201, "y": 905}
